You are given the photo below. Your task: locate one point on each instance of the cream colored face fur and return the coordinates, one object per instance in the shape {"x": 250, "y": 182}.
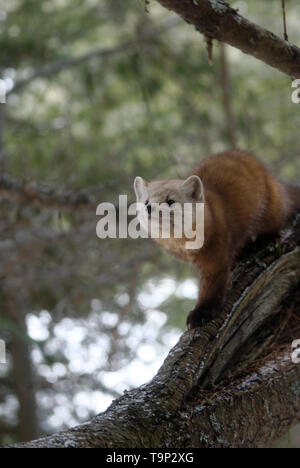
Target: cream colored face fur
{"x": 164, "y": 191}
{"x": 160, "y": 191}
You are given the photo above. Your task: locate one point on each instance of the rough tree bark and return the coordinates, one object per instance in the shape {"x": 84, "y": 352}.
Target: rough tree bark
{"x": 207, "y": 394}
{"x": 217, "y": 20}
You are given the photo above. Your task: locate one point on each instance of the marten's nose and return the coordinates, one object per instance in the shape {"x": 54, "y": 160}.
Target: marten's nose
{"x": 149, "y": 209}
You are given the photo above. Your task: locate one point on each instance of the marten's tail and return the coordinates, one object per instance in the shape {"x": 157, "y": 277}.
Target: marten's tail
{"x": 294, "y": 197}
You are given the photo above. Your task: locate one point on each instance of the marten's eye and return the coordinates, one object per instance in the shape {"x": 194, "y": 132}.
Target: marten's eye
{"x": 170, "y": 202}
{"x": 146, "y": 202}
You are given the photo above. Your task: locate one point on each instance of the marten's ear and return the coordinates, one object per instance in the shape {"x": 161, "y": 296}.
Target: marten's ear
{"x": 140, "y": 187}
{"x": 193, "y": 187}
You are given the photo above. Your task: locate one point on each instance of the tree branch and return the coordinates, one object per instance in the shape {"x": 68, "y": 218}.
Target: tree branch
{"x": 44, "y": 196}
{"x": 100, "y": 52}
{"x": 217, "y": 20}
{"x": 181, "y": 406}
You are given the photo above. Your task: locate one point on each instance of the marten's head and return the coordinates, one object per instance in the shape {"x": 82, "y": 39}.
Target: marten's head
{"x": 162, "y": 203}
{"x": 169, "y": 191}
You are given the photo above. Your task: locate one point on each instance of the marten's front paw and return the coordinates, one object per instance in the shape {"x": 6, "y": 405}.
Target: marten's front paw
{"x": 200, "y": 315}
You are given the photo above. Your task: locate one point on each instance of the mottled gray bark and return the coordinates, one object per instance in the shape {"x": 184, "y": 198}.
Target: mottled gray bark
{"x": 181, "y": 407}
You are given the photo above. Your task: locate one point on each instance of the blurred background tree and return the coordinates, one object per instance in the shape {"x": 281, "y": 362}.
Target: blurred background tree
{"x": 99, "y": 91}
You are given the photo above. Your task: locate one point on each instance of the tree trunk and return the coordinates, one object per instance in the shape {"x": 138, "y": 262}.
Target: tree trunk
{"x": 231, "y": 383}
{"x": 24, "y": 384}
{"x": 2, "y": 146}
{"x": 23, "y": 376}
{"x": 225, "y": 86}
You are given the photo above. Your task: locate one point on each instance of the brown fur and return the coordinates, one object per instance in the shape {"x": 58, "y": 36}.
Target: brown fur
{"x": 242, "y": 199}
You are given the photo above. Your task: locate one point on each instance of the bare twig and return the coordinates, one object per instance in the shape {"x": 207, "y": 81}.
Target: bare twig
{"x": 209, "y": 45}
{"x": 286, "y": 38}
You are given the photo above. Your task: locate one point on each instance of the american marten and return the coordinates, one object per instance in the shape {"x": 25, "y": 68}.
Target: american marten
{"x": 242, "y": 199}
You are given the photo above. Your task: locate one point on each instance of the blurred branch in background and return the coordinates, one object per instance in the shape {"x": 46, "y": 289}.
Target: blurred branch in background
{"x": 46, "y": 197}
{"x": 127, "y": 46}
